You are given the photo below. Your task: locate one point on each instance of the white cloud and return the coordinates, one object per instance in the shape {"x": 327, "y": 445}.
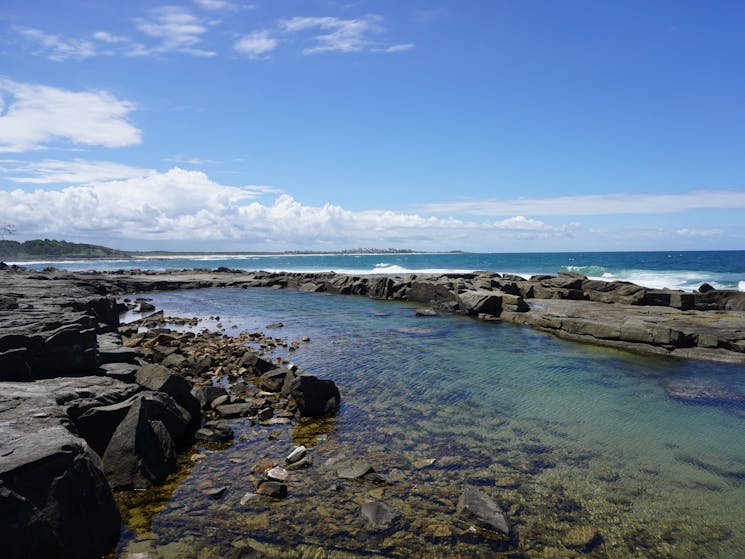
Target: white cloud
{"x": 341, "y": 35}
{"x": 58, "y": 48}
{"x": 187, "y": 205}
{"x": 397, "y": 48}
{"x": 685, "y": 232}
{"x": 594, "y": 204}
{"x": 76, "y": 171}
{"x": 176, "y": 29}
{"x": 214, "y": 5}
{"x": 126, "y": 46}
{"x": 37, "y": 114}
{"x": 256, "y": 44}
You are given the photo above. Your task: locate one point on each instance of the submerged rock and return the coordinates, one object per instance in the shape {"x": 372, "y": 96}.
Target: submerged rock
{"x": 379, "y": 516}
{"x": 704, "y": 392}
{"x": 273, "y": 489}
{"x": 582, "y": 538}
{"x": 478, "y": 509}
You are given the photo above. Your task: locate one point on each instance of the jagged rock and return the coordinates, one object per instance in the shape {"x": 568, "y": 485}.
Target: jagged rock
{"x": 161, "y": 379}
{"x": 277, "y": 380}
{"x": 54, "y": 499}
{"x": 255, "y": 364}
{"x": 142, "y": 450}
{"x": 314, "y": 396}
{"x": 478, "y": 509}
{"x": 379, "y": 516}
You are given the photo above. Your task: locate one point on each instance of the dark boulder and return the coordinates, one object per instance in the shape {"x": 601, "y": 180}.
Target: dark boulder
{"x": 277, "y": 380}
{"x": 161, "y": 379}
{"x": 255, "y": 364}
{"x": 14, "y": 365}
{"x": 315, "y": 396}
{"x": 142, "y": 450}
{"x": 54, "y": 498}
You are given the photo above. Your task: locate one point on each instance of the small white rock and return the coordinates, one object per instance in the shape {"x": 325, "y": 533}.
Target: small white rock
{"x": 298, "y": 453}
{"x": 278, "y": 474}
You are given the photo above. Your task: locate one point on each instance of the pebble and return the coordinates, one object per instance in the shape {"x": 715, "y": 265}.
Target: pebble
{"x": 297, "y": 454}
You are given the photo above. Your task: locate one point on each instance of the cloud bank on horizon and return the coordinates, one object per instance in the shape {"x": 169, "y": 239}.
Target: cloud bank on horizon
{"x": 297, "y": 154}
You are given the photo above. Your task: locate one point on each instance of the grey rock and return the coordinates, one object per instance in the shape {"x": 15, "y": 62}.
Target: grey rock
{"x": 142, "y": 450}
{"x": 54, "y": 497}
{"x": 478, "y": 509}
{"x": 379, "y": 516}
{"x": 208, "y": 394}
{"x": 297, "y": 454}
{"x": 353, "y": 469}
{"x": 277, "y": 380}
{"x": 273, "y": 489}
{"x": 237, "y": 410}
{"x": 161, "y": 379}
{"x": 214, "y": 432}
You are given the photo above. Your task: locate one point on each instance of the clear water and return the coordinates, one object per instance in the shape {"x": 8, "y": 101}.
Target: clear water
{"x": 673, "y": 270}
{"x": 560, "y": 434}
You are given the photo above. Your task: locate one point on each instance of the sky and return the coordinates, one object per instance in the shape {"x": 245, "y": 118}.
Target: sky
{"x": 272, "y": 125}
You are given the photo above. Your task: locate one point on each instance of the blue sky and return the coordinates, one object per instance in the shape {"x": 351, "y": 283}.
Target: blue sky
{"x": 276, "y": 125}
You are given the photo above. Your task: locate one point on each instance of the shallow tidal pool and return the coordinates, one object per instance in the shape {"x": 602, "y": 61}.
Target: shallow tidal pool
{"x": 580, "y": 446}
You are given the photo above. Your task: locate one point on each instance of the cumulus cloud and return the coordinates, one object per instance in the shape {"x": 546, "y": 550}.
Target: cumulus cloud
{"x": 594, "y": 204}
{"x": 187, "y": 205}
{"x": 256, "y": 44}
{"x": 37, "y": 114}
{"x": 333, "y": 34}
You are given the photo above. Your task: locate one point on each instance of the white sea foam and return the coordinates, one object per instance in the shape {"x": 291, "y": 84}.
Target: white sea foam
{"x": 663, "y": 279}
{"x": 741, "y": 285}
{"x": 377, "y": 270}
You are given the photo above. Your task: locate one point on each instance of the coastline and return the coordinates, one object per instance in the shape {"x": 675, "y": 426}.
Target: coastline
{"x": 670, "y": 323}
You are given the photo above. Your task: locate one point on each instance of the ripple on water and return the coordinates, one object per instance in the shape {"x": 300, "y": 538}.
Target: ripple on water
{"x": 563, "y": 436}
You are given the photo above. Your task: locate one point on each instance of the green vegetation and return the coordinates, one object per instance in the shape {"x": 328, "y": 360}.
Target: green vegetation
{"x": 46, "y": 248}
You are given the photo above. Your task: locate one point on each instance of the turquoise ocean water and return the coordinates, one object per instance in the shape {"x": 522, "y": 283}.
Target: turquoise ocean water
{"x": 674, "y": 270}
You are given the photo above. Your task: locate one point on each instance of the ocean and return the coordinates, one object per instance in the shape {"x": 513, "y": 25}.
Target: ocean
{"x": 669, "y": 269}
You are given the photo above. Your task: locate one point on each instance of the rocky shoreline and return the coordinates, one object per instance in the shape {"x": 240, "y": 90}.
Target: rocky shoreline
{"x": 88, "y": 405}
{"x": 707, "y": 324}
